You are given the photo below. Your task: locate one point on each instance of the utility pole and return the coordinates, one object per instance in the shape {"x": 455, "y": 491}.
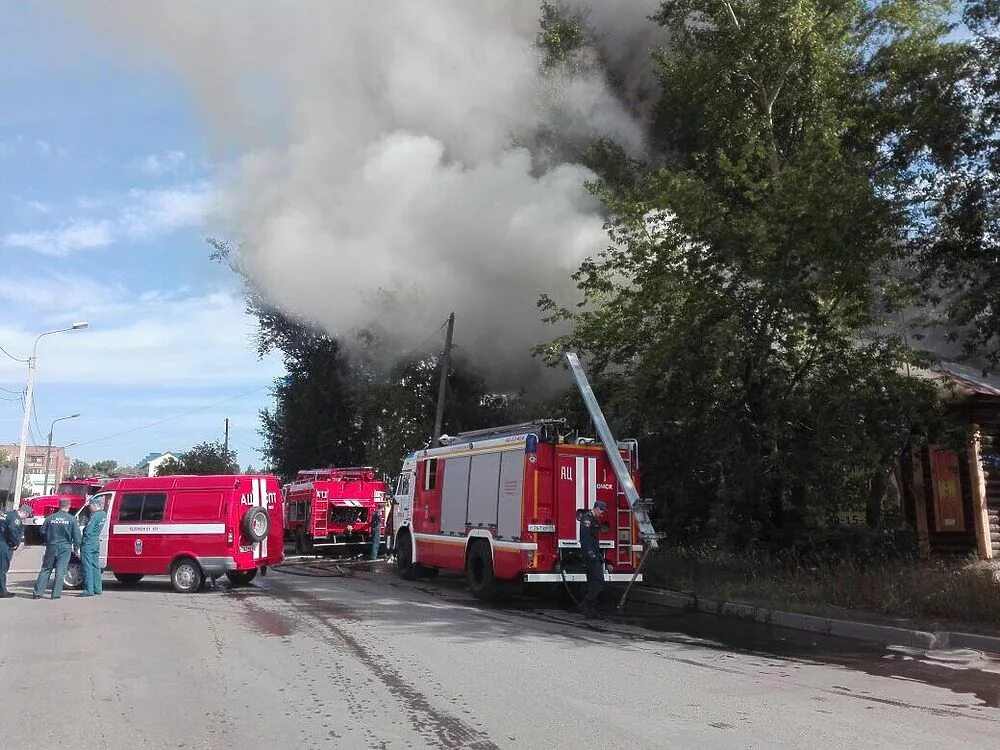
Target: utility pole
{"x": 28, "y": 393}
{"x": 48, "y": 450}
{"x": 225, "y": 449}
{"x": 443, "y": 385}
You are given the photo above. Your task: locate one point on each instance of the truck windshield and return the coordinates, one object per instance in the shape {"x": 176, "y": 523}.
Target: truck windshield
{"x": 71, "y": 489}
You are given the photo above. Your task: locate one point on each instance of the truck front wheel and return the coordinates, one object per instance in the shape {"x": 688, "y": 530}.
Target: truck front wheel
{"x": 404, "y": 558}
{"x": 479, "y": 570}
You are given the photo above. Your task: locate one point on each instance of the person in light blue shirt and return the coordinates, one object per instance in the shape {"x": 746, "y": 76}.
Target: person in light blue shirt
{"x": 90, "y": 548}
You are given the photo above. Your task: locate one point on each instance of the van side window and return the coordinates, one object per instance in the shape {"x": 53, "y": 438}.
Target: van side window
{"x": 153, "y": 505}
{"x": 430, "y": 473}
{"x": 139, "y": 506}
{"x": 131, "y": 507}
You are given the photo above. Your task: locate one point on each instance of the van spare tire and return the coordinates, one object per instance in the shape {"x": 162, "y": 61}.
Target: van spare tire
{"x": 256, "y": 524}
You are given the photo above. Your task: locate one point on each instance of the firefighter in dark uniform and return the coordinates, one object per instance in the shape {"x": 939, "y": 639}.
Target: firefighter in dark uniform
{"x": 593, "y": 555}
{"x": 62, "y": 535}
{"x": 11, "y": 535}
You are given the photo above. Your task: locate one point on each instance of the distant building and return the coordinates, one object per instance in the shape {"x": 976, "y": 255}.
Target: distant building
{"x": 34, "y": 466}
{"x": 7, "y": 477}
{"x": 152, "y": 461}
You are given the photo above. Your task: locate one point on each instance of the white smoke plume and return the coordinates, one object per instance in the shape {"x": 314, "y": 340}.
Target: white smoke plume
{"x": 376, "y": 154}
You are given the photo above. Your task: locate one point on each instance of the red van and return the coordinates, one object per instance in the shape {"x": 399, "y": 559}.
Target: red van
{"x": 190, "y": 528}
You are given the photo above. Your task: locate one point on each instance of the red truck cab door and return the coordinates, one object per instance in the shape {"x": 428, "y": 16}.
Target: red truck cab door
{"x": 427, "y": 497}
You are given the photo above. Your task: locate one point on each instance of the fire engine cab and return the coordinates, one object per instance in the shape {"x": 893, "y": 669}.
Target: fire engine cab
{"x": 331, "y": 510}
{"x": 188, "y": 527}
{"x": 75, "y": 489}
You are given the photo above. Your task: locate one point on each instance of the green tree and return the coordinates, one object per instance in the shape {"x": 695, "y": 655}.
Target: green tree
{"x": 6, "y": 461}
{"x": 80, "y": 468}
{"x": 204, "y": 458}
{"x": 104, "y": 468}
{"x": 170, "y": 467}
{"x": 742, "y": 310}
{"x": 958, "y": 237}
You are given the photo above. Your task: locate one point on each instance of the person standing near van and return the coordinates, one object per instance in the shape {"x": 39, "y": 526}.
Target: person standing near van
{"x": 90, "y": 548}
{"x": 11, "y": 534}
{"x": 376, "y": 529}
{"x": 62, "y": 535}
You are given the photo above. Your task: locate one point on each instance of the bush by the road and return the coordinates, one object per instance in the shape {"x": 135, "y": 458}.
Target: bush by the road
{"x": 929, "y": 592}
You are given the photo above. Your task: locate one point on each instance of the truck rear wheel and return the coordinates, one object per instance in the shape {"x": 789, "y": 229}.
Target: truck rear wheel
{"x": 241, "y": 577}
{"x": 479, "y": 570}
{"x": 186, "y": 576}
{"x": 303, "y": 544}
{"x": 128, "y": 579}
{"x": 404, "y": 558}
{"x": 74, "y": 575}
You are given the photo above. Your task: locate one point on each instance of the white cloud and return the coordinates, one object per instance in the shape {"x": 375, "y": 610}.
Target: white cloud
{"x": 42, "y": 208}
{"x": 73, "y": 236}
{"x": 160, "y": 211}
{"x": 148, "y": 213}
{"x": 163, "y": 340}
{"x": 158, "y": 165}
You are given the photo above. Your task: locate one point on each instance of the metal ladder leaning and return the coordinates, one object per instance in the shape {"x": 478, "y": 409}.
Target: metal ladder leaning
{"x": 638, "y": 507}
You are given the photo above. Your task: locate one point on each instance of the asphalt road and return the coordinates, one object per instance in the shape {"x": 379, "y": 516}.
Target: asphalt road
{"x": 301, "y": 660}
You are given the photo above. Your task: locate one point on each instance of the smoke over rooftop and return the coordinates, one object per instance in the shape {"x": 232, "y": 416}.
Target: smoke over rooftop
{"x": 378, "y": 172}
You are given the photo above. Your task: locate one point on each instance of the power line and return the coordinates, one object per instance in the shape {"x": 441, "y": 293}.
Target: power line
{"x": 418, "y": 349}
{"x": 34, "y": 416}
{"x": 16, "y": 359}
{"x": 170, "y": 419}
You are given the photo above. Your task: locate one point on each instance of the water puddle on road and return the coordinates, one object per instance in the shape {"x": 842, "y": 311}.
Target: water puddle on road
{"x": 262, "y": 620}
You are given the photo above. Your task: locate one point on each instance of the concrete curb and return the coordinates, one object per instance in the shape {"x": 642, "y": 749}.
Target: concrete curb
{"x": 883, "y": 635}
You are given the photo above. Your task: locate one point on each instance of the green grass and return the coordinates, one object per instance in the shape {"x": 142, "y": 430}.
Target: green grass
{"x": 935, "y": 594}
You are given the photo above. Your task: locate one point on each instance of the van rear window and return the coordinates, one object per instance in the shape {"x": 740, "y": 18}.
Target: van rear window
{"x": 196, "y": 506}
{"x": 142, "y": 506}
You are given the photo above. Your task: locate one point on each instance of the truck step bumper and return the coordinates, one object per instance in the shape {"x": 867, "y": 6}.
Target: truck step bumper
{"x": 578, "y": 577}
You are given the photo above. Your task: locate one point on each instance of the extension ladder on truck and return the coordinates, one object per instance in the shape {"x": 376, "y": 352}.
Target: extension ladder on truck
{"x": 639, "y": 507}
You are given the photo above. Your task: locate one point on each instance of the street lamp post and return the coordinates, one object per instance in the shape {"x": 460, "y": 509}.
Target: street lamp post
{"x": 48, "y": 450}
{"x": 28, "y": 392}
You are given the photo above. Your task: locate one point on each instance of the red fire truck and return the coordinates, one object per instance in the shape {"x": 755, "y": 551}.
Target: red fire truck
{"x": 75, "y": 489}
{"x": 503, "y": 504}
{"x": 331, "y": 510}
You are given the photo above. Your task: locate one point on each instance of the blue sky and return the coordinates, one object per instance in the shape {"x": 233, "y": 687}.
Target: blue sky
{"x": 105, "y": 183}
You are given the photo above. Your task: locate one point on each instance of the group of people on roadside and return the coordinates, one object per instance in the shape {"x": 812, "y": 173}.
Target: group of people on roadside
{"x": 63, "y": 538}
